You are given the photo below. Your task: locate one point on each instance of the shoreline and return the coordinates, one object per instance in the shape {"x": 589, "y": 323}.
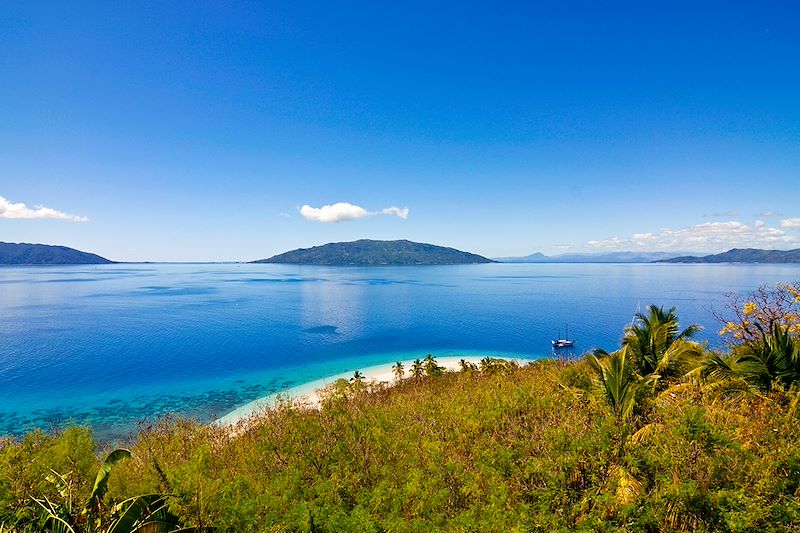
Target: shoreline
{"x": 308, "y": 393}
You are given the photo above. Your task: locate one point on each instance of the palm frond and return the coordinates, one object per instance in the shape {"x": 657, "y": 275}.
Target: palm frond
{"x": 51, "y": 519}
{"x": 628, "y": 489}
{"x": 617, "y": 384}
{"x": 101, "y": 481}
{"x": 656, "y": 345}
{"x": 644, "y": 433}
{"x": 150, "y": 510}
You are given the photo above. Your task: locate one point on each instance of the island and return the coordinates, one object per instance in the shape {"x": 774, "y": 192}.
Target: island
{"x": 45, "y": 254}
{"x": 366, "y": 252}
{"x": 741, "y": 255}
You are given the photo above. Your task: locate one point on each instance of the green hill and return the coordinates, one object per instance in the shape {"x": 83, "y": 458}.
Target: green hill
{"x": 367, "y": 252}
{"x": 45, "y": 254}
{"x": 741, "y": 255}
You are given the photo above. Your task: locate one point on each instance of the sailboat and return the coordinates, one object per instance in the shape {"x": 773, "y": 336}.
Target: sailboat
{"x": 566, "y": 341}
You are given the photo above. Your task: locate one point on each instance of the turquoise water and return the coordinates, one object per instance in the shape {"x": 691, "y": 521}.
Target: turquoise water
{"x": 113, "y": 345}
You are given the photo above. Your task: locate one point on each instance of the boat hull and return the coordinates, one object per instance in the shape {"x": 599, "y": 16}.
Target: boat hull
{"x": 562, "y": 343}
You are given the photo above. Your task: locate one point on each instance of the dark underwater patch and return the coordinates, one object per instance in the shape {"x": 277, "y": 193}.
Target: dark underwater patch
{"x": 326, "y": 329}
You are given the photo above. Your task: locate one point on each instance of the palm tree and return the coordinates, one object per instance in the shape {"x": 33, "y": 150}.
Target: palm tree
{"x": 398, "y": 370}
{"x": 417, "y": 369}
{"x": 357, "y": 382}
{"x": 467, "y": 366}
{"x": 656, "y": 346}
{"x": 773, "y": 357}
{"x": 779, "y": 354}
{"x": 618, "y": 384}
{"x": 431, "y": 368}
{"x": 729, "y": 374}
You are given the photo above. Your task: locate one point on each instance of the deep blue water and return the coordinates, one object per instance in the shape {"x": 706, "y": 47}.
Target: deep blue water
{"x": 111, "y": 345}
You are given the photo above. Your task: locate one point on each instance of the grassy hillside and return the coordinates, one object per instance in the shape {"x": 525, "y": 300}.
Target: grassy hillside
{"x": 521, "y": 450}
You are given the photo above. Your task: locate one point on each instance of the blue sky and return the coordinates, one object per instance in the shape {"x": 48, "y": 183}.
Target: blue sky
{"x": 198, "y": 131}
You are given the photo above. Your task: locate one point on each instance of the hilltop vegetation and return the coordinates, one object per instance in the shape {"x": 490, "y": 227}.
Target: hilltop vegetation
{"x": 741, "y": 255}
{"x": 367, "y": 252}
{"x": 45, "y": 254}
{"x": 659, "y": 435}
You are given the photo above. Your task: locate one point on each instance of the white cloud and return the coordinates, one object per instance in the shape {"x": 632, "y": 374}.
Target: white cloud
{"x": 339, "y": 212}
{"x": 791, "y": 223}
{"x": 708, "y": 237}
{"x": 22, "y": 211}
{"x": 396, "y": 211}
{"x": 768, "y": 214}
{"x": 343, "y": 212}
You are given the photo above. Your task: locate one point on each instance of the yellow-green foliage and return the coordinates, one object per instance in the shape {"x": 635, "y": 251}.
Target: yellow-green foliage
{"x": 26, "y": 465}
{"x": 534, "y": 448}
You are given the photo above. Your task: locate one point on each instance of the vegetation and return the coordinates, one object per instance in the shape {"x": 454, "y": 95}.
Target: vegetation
{"x": 431, "y": 367}
{"x": 398, "y": 370}
{"x": 657, "y": 349}
{"x": 57, "y": 507}
{"x": 764, "y": 351}
{"x": 741, "y": 255}
{"x": 618, "y": 384}
{"x": 417, "y": 370}
{"x": 367, "y": 252}
{"x": 44, "y": 254}
{"x": 748, "y": 318}
{"x": 608, "y": 443}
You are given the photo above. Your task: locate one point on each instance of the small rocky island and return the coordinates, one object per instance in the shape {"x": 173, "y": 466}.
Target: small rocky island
{"x": 45, "y": 254}
{"x": 366, "y": 252}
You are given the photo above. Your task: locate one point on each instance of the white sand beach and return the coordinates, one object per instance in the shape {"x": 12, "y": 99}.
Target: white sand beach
{"x": 309, "y": 393}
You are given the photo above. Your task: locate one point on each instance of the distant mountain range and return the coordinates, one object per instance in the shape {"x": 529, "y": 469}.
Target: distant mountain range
{"x": 741, "y": 255}
{"x": 44, "y": 254}
{"x": 367, "y": 252}
{"x": 610, "y": 257}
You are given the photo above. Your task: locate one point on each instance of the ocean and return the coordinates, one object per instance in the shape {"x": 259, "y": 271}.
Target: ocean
{"x": 116, "y": 346}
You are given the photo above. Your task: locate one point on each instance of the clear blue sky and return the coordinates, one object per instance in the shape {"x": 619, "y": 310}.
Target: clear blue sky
{"x": 197, "y": 131}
